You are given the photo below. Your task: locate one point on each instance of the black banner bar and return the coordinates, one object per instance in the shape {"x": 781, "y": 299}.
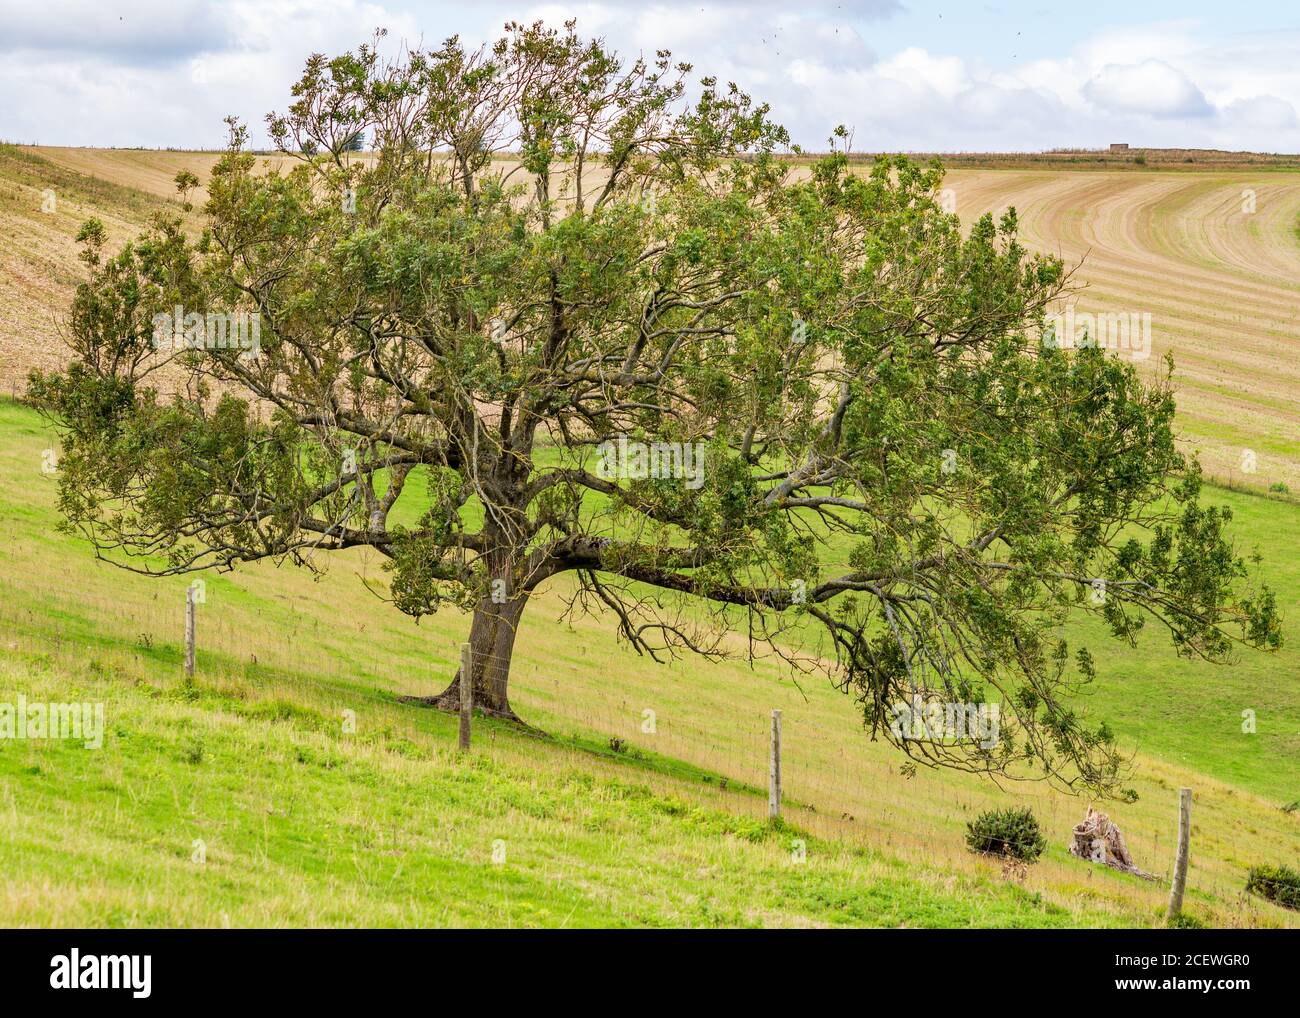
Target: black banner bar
{"x": 141, "y": 968}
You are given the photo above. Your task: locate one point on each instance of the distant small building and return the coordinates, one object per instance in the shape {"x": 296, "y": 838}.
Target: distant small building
{"x": 1119, "y": 146}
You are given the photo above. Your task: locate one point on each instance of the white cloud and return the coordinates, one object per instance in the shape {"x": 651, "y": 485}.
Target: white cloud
{"x": 1152, "y": 87}
{"x": 169, "y": 71}
{"x": 1262, "y": 113}
{"x": 144, "y": 30}
{"x": 947, "y": 76}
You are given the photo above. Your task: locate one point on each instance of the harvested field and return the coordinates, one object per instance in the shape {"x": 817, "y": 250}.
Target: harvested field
{"x": 1222, "y": 284}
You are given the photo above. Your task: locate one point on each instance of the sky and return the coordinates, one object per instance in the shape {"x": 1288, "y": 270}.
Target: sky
{"x": 903, "y": 75}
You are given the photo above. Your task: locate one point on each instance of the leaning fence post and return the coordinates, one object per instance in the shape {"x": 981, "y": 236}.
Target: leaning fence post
{"x": 774, "y": 770}
{"x": 466, "y": 693}
{"x": 1184, "y": 844}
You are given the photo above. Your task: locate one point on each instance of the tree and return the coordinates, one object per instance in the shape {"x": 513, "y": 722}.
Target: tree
{"x": 591, "y": 326}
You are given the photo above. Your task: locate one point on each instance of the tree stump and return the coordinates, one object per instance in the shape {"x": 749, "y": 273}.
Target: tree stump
{"x": 1098, "y": 840}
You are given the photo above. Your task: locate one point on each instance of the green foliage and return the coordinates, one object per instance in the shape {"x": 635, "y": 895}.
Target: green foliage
{"x": 192, "y": 751}
{"x": 1279, "y": 884}
{"x": 1006, "y": 832}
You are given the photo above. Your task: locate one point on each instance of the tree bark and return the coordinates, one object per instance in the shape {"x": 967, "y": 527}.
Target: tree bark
{"x": 492, "y": 641}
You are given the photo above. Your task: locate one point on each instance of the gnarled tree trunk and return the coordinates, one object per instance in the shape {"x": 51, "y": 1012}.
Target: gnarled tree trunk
{"x": 492, "y": 641}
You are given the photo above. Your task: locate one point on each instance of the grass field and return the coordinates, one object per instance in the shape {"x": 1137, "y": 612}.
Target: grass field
{"x": 298, "y": 821}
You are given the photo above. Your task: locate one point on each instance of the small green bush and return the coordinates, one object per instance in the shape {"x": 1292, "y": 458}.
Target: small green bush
{"x": 1279, "y": 884}
{"x": 1004, "y": 832}
{"x": 192, "y": 751}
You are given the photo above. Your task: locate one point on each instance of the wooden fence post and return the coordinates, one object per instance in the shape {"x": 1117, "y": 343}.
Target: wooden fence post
{"x": 189, "y": 632}
{"x": 1180, "y": 861}
{"x": 774, "y": 770}
{"x": 466, "y": 693}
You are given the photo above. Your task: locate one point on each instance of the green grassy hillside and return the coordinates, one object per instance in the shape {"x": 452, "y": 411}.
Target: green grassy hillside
{"x": 299, "y": 821}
